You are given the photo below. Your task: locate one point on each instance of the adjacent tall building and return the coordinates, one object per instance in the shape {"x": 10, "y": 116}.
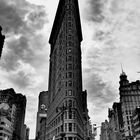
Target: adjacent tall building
{"x": 124, "y": 116}
{"x": 104, "y": 130}
{"x": 130, "y": 100}
{"x": 67, "y": 115}
{"x": 42, "y": 115}
{"x": 12, "y": 114}
{"x": 2, "y": 37}
{"x": 115, "y": 122}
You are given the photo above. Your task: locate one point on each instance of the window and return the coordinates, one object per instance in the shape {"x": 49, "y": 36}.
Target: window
{"x": 70, "y": 83}
{"x": 69, "y": 138}
{"x": 69, "y": 50}
{"x": 74, "y": 115}
{"x": 69, "y": 67}
{"x": 69, "y": 24}
{"x": 70, "y": 103}
{"x": 69, "y": 58}
{"x": 65, "y": 114}
{"x": 69, "y": 74}
{"x": 70, "y": 127}
{"x": 65, "y": 127}
{"x": 62, "y": 117}
{"x": 62, "y": 128}
{"x": 70, "y": 114}
{"x": 70, "y": 92}
{"x": 74, "y": 127}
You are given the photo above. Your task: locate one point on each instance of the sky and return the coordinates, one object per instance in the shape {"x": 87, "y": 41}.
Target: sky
{"x": 111, "y": 32}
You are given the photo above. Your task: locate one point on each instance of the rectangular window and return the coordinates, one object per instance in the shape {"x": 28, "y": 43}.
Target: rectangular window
{"x": 74, "y": 115}
{"x": 65, "y": 114}
{"x": 70, "y": 103}
{"x": 69, "y": 50}
{"x": 69, "y": 67}
{"x": 70, "y": 83}
{"x": 74, "y": 127}
{"x": 69, "y": 58}
{"x": 70, "y": 114}
{"x": 69, "y": 74}
{"x": 70, "y": 127}
{"x": 70, "y": 92}
{"x": 65, "y": 127}
{"x": 61, "y": 128}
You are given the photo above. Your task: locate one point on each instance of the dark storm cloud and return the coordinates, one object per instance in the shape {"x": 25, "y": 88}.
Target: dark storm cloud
{"x": 21, "y": 21}
{"x": 95, "y": 10}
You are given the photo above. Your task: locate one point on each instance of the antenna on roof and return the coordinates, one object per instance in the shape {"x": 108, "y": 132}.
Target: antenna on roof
{"x": 122, "y": 69}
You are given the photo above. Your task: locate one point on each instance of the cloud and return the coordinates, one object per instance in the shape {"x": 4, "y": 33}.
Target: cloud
{"x": 22, "y": 23}
{"x": 95, "y": 10}
{"x": 99, "y": 91}
{"x": 9, "y": 17}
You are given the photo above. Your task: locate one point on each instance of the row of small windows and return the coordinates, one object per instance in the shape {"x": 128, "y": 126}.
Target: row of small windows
{"x": 68, "y": 127}
{"x": 69, "y": 84}
{"x": 68, "y": 75}
{"x": 131, "y": 99}
{"x": 128, "y": 112}
{"x": 69, "y": 66}
{"x": 68, "y": 138}
{"x": 70, "y": 114}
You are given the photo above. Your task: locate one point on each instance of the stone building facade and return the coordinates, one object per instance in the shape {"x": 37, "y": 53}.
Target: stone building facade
{"x": 67, "y": 115}
{"x": 12, "y": 114}
{"x": 104, "y": 130}
{"x": 130, "y": 100}
{"x": 115, "y": 122}
{"x": 41, "y": 115}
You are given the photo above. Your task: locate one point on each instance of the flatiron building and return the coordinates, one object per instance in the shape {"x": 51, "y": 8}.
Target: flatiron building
{"x": 67, "y": 114}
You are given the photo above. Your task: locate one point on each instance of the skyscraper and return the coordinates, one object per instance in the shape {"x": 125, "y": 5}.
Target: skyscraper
{"x": 67, "y": 115}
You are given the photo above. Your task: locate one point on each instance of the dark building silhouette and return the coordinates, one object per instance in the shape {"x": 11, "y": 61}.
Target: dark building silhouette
{"x": 115, "y": 122}
{"x": 14, "y": 105}
{"x": 2, "y": 37}
{"x": 41, "y": 115}
{"x": 67, "y": 115}
{"x": 25, "y": 132}
{"x": 20, "y": 102}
